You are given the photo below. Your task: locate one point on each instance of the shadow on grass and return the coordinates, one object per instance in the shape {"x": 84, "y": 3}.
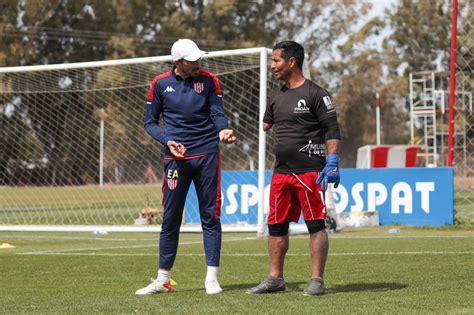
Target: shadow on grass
{"x": 290, "y": 287}
{"x": 367, "y": 287}
{"x": 299, "y": 286}
{"x": 352, "y": 287}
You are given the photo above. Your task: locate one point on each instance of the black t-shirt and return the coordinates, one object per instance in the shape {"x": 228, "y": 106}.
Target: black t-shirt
{"x": 299, "y": 136}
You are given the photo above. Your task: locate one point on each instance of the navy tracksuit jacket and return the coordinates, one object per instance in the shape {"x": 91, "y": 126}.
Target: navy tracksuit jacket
{"x": 193, "y": 115}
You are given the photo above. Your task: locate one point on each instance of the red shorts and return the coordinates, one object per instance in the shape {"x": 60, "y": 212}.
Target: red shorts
{"x": 292, "y": 193}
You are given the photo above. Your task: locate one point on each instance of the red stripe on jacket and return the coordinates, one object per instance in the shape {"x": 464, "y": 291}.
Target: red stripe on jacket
{"x": 152, "y": 88}
{"x": 214, "y": 78}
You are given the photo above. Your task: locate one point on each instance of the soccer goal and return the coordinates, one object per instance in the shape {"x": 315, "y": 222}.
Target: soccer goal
{"x": 75, "y": 156}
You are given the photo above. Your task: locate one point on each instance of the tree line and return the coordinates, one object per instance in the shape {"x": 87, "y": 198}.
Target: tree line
{"x": 353, "y": 60}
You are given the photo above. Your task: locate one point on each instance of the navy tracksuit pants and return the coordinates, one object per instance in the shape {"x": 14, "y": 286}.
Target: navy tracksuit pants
{"x": 204, "y": 171}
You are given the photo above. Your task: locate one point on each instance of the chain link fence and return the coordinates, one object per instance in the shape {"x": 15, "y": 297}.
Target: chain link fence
{"x": 464, "y": 118}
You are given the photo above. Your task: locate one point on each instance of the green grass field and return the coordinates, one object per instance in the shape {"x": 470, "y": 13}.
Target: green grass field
{"x": 90, "y": 205}
{"x": 369, "y": 271}
{"x": 464, "y": 206}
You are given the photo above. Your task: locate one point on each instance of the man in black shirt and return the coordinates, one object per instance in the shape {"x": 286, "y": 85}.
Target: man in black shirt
{"x": 306, "y": 149}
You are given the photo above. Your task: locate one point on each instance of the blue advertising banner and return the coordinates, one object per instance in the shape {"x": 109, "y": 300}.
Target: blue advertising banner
{"x": 408, "y": 196}
{"x": 239, "y": 198}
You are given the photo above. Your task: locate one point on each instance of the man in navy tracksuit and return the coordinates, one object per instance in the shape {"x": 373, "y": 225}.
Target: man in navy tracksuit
{"x": 190, "y": 102}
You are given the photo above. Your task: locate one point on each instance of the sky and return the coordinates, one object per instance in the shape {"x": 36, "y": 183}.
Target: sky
{"x": 378, "y": 6}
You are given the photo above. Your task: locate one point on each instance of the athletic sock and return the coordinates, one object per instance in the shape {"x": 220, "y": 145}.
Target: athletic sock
{"x": 164, "y": 275}
{"x": 211, "y": 273}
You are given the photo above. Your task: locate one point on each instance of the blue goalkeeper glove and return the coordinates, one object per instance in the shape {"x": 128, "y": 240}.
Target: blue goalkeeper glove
{"x": 330, "y": 173}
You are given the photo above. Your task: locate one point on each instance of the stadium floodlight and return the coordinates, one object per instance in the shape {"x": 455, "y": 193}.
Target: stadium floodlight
{"x": 76, "y": 157}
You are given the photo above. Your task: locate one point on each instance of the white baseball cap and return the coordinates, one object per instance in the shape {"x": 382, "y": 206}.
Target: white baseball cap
{"x": 186, "y": 49}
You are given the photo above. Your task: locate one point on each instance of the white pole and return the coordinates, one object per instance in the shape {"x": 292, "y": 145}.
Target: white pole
{"x": 101, "y": 158}
{"x": 261, "y": 141}
{"x": 412, "y": 123}
{"x": 105, "y": 63}
{"x": 377, "y": 116}
{"x": 251, "y": 164}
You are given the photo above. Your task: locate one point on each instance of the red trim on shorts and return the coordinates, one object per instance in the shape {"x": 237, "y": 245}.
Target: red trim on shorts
{"x": 217, "y": 209}
{"x": 309, "y": 205}
{"x": 185, "y": 158}
{"x": 163, "y": 190}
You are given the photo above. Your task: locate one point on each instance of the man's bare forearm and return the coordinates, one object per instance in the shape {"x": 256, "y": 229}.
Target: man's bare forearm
{"x": 332, "y": 146}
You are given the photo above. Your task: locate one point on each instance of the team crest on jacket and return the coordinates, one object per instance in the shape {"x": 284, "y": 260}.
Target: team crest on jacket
{"x": 198, "y": 87}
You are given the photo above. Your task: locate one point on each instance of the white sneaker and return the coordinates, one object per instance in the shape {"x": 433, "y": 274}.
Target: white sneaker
{"x": 155, "y": 287}
{"x": 213, "y": 287}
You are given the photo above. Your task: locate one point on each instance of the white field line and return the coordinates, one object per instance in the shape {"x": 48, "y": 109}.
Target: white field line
{"x": 252, "y": 254}
{"x": 332, "y": 237}
{"x": 124, "y": 247}
{"x": 92, "y": 238}
{"x": 155, "y": 240}
{"x": 396, "y": 236}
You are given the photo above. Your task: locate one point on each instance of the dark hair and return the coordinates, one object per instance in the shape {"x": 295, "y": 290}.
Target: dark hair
{"x": 291, "y": 49}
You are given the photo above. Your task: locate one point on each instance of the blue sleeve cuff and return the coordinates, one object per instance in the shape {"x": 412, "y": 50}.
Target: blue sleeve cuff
{"x": 221, "y": 123}
{"x": 164, "y": 140}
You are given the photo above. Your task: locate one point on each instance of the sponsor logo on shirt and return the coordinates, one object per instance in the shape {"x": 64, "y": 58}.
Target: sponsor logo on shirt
{"x": 198, "y": 87}
{"x": 316, "y": 149}
{"x": 328, "y": 103}
{"x": 301, "y": 107}
{"x": 169, "y": 89}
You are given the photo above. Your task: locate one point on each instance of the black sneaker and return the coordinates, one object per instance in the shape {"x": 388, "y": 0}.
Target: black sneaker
{"x": 316, "y": 287}
{"x": 269, "y": 285}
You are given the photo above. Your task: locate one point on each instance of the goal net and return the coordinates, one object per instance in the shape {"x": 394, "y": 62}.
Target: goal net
{"x": 74, "y": 154}
{"x": 463, "y": 138}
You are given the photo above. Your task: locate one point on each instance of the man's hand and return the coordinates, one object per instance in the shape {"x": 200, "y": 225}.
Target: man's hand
{"x": 227, "y": 136}
{"x": 267, "y": 126}
{"x": 177, "y": 149}
{"x": 330, "y": 173}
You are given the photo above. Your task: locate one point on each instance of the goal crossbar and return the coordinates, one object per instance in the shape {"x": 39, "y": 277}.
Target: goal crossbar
{"x": 13, "y": 96}
{"x": 129, "y": 61}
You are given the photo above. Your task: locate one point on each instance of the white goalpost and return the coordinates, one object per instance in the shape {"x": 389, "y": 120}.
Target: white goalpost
{"x": 75, "y": 155}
